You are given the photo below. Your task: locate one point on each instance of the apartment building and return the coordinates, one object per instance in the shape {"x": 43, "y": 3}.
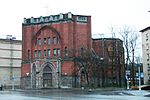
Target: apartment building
{"x": 10, "y": 62}
{"x": 145, "y": 33}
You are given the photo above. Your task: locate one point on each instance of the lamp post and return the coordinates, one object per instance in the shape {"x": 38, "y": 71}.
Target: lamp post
{"x": 103, "y": 72}
{"x": 11, "y": 38}
{"x": 127, "y": 82}
{"x": 139, "y": 77}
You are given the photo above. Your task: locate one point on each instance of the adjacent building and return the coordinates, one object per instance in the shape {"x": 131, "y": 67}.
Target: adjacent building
{"x": 10, "y": 62}
{"x": 146, "y": 53}
{"x": 111, "y": 53}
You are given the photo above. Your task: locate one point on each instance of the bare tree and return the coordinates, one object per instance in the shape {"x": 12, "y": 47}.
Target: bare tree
{"x": 90, "y": 65}
{"x": 130, "y": 39}
{"x": 84, "y": 63}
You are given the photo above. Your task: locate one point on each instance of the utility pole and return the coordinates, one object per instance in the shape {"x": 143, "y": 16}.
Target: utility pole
{"x": 139, "y": 71}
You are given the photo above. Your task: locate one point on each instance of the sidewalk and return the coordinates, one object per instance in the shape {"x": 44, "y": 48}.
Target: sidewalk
{"x": 67, "y": 90}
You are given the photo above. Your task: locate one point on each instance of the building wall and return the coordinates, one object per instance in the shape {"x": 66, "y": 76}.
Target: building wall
{"x": 111, "y": 53}
{"x": 146, "y": 54}
{"x": 10, "y": 62}
{"x": 72, "y": 33}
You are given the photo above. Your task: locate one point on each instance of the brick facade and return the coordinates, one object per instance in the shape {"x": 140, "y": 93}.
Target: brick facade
{"x": 50, "y": 45}
{"x": 52, "y": 41}
{"x": 111, "y": 52}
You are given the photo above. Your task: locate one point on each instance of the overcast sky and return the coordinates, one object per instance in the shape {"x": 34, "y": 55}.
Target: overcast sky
{"x": 105, "y": 13}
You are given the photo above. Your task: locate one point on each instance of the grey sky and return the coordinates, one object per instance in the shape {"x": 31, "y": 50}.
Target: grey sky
{"x": 105, "y": 13}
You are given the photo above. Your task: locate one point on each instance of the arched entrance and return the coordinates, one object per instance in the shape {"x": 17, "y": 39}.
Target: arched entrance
{"x": 47, "y": 76}
{"x": 83, "y": 79}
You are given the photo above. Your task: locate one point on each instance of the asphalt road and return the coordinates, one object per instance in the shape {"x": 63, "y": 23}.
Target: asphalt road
{"x": 55, "y": 94}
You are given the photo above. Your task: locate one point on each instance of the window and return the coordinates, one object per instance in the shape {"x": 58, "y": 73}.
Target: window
{"x": 147, "y": 36}
{"x": 54, "y": 52}
{"x": 44, "y": 53}
{"x": 58, "y": 52}
{"x": 49, "y": 52}
{"x": 82, "y": 18}
{"x": 148, "y": 65}
{"x": 49, "y": 40}
{"x": 39, "y": 41}
{"x": 110, "y": 60}
{"x": 110, "y": 48}
{"x": 147, "y": 46}
{"x": 82, "y": 51}
{"x": 39, "y": 53}
{"x": 35, "y": 53}
{"x": 66, "y": 51}
{"x": 44, "y": 40}
{"x": 28, "y": 54}
{"x": 55, "y": 40}
{"x": 148, "y": 56}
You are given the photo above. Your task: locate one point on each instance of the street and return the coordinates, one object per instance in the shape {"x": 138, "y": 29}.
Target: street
{"x": 68, "y": 94}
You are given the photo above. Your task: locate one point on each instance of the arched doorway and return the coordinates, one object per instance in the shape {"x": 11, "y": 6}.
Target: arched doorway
{"x": 83, "y": 79}
{"x": 47, "y": 76}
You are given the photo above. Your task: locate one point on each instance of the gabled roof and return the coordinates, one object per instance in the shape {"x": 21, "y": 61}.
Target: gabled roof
{"x": 145, "y": 29}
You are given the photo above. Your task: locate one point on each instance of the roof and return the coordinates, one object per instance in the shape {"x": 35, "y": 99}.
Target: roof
{"x": 145, "y": 29}
{"x": 106, "y": 39}
{"x": 55, "y": 18}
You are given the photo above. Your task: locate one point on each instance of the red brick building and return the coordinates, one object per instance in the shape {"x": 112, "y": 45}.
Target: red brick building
{"x": 111, "y": 53}
{"x": 49, "y": 44}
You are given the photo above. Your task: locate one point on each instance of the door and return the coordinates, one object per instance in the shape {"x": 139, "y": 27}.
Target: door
{"x": 47, "y": 76}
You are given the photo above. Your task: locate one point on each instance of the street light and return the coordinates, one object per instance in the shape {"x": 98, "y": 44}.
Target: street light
{"x": 127, "y": 82}
{"x": 139, "y": 77}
